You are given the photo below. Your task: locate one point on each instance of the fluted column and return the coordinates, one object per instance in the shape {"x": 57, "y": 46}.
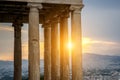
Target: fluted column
{"x": 17, "y": 50}
{"x": 34, "y": 55}
{"x": 64, "y": 53}
{"x": 77, "y": 43}
{"x": 47, "y": 52}
{"x": 55, "y": 62}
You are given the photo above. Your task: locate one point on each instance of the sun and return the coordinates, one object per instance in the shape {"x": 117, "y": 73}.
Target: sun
{"x": 86, "y": 42}
{"x": 69, "y": 45}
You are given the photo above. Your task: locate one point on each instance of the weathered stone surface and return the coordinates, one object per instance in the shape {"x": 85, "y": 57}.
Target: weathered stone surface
{"x": 77, "y": 42}
{"x": 64, "y": 53}
{"x": 50, "y": 1}
{"x": 47, "y": 52}
{"x": 17, "y": 51}
{"x": 9, "y": 11}
{"x": 34, "y": 58}
{"x": 55, "y": 57}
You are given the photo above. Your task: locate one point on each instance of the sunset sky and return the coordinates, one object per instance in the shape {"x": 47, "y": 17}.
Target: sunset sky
{"x": 100, "y": 25}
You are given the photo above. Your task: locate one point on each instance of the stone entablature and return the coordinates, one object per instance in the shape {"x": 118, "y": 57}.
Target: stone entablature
{"x": 50, "y": 1}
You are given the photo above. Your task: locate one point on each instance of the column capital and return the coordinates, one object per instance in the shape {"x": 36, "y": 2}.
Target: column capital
{"x": 46, "y": 25}
{"x": 65, "y": 14}
{"x": 17, "y": 23}
{"x": 35, "y": 5}
{"x": 56, "y": 20}
{"x": 76, "y": 8}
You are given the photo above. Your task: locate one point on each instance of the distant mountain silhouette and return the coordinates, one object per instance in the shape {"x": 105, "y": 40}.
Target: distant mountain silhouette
{"x": 95, "y": 61}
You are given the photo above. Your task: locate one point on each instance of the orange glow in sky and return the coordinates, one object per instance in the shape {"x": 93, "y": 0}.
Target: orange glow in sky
{"x": 86, "y": 42}
{"x": 88, "y": 46}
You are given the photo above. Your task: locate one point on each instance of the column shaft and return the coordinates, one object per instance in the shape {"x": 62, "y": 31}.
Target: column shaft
{"x": 64, "y": 53}
{"x": 47, "y": 52}
{"x": 77, "y": 43}
{"x": 55, "y": 62}
{"x": 17, "y": 53}
{"x": 34, "y": 56}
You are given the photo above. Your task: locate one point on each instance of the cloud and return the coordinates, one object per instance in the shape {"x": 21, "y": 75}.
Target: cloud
{"x": 10, "y": 28}
{"x": 6, "y": 28}
{"x": 101, "y": 47}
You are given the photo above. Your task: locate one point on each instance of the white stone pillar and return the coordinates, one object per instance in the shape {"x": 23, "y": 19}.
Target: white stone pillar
{"x": 17, "y": 50}
{"x": 47, "y": 52}
{"x": 77, "y": 43}
{"x": 34, "y": 54}
{"x": 64, "y": 52}
{"x": 55, "y": 57}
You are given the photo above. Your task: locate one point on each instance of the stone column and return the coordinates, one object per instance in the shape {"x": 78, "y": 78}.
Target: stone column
{"x": 17, "y": 51}
{"x": 34, "y": 54}
{"x": 55, "y": 62}
{"x": 64, "y": 52}
{"x": 77, "y": 43}
{"x": 47, "y": 52}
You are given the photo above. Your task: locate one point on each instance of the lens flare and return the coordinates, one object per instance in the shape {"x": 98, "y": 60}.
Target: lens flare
{"x": 70, "y": 46}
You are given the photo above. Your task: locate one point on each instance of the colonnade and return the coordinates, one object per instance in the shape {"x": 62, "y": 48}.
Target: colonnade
{"x": 56, "y": 63}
